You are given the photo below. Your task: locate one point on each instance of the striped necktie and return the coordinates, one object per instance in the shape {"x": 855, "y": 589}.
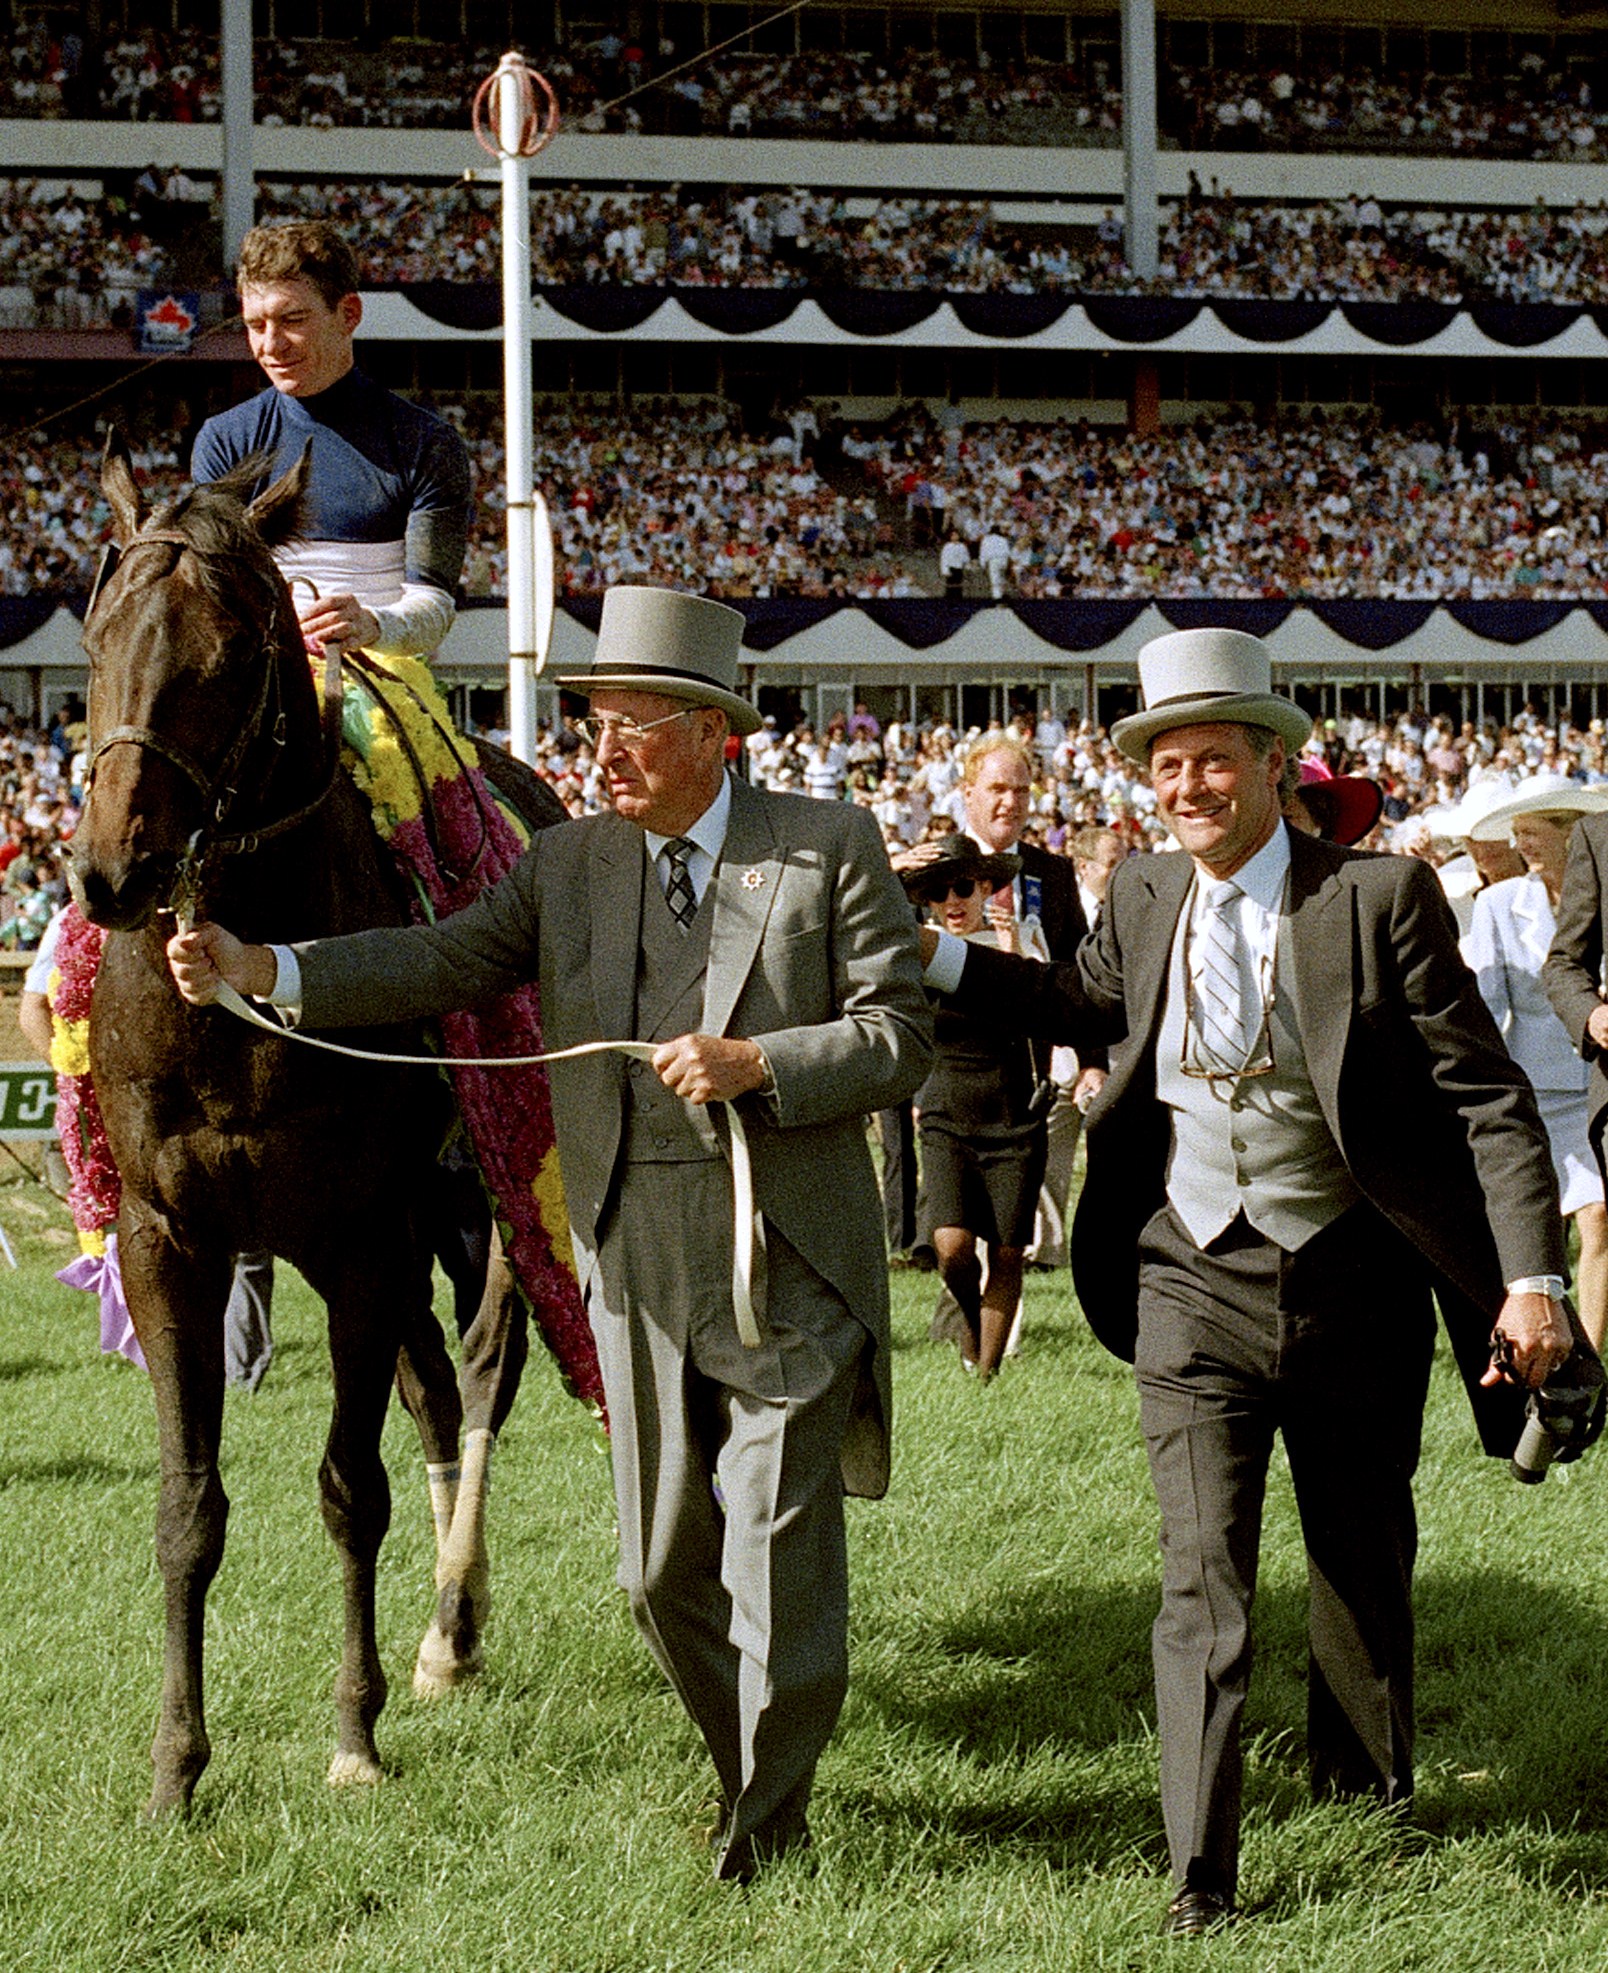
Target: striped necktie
{"x": 1217, "y": 976}
{"x": 678, "y": 892}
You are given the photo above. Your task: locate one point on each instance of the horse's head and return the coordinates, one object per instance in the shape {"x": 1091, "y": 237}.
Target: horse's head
{"x": 188, "y": 633}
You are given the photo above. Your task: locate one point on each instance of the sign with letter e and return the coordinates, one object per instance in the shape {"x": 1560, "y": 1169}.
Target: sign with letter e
{"x": 27, "y": 1100}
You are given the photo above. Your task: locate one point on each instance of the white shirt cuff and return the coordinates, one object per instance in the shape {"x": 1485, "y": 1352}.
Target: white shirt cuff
{"x": 1538, "y": 1284}
{"x": 946, "y": 965}
{"x": 414, "y": 625}
{"x": 287, "y": 980}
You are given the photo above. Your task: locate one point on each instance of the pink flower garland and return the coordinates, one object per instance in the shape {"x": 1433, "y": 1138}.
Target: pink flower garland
{"x": 508, "y": 1112}
{"x": 94, "y": 1192}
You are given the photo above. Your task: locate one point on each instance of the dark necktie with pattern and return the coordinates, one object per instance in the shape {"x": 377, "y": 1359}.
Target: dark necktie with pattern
{"x": 678, "y": 893}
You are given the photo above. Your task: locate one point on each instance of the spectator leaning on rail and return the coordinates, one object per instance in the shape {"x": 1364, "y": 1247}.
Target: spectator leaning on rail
{"x": 1260, "y": 1233}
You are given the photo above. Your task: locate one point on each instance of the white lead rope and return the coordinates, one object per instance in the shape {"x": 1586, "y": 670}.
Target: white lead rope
{"x": 748, "y": 1234}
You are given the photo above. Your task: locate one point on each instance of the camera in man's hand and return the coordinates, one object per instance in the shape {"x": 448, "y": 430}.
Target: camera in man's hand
{"x": 1565, "y": 1416}
{"x": 1562, "y": 1418}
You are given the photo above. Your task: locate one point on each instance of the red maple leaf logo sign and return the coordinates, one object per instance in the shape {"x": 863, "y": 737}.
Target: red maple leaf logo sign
{"x": 170, "y": 313}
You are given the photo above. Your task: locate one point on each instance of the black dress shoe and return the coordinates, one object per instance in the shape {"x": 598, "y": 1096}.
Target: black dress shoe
{"x": 1194, "y": 1913}
{"x": 742, "y": 1861}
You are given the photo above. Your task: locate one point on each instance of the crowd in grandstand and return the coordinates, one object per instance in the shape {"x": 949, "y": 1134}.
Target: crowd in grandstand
{"x": 1536, "y": 113}
{"x": 1310, "y": 507}
{"x": 71, "y": 260}
{"x": 1540, "y": 110}
{"x": 1313, "y": 506}
{"x": 40, "y": 790}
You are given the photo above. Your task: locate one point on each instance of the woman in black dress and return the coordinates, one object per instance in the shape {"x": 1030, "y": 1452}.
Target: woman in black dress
{"x": 981, "y": 1118}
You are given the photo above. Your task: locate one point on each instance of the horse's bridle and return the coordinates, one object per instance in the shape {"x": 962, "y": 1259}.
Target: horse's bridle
{"x": 217, "y": 787}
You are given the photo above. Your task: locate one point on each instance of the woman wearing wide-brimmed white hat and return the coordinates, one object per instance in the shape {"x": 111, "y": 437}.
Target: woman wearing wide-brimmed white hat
{"x": 1507, "y": 945}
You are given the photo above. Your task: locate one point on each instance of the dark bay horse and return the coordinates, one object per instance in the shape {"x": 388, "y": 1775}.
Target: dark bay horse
{"x": 215, "y": 772}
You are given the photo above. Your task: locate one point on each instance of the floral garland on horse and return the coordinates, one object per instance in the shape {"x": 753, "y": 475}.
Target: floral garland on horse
{"x": 439, "y": 817}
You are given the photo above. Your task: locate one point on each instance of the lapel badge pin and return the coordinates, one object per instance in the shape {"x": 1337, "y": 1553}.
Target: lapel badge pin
{"x": 753, "y": 879}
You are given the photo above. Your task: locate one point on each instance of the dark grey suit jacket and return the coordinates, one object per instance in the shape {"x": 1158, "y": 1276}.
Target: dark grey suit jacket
{"x": 1572, "y": 974}
{"x": 1438, "y": 1127}
{"x": 812, "y": 954}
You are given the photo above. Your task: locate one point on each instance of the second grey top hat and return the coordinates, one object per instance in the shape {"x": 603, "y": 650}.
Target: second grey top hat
{"x": 1200, "y": 677}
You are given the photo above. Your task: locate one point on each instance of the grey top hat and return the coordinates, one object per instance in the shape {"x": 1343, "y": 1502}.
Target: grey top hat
{"x": 679, "y": 646}
{"x": 1201, "y": 677}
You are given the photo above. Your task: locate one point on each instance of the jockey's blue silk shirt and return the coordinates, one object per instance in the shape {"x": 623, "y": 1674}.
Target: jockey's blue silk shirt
{"x": 387, "y": 512}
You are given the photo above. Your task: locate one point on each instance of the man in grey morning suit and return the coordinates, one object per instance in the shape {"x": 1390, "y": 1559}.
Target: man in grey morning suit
{"x": 766, "y": 947}
{"x": 1310, "y": 1119}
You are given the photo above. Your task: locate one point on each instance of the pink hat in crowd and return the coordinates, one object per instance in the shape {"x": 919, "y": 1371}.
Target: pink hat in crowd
{"x": 1344, "y": 806}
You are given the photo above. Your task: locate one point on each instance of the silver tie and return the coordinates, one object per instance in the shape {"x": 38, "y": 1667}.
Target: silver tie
{"x": 1217, "y": 977}
{"x": 678, "y": 892}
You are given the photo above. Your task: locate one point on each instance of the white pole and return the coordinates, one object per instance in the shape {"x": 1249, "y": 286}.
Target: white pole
{"x": 1139, "y": 218}
{"x": 239, "y": 189}
{"x": 513, "y": 105}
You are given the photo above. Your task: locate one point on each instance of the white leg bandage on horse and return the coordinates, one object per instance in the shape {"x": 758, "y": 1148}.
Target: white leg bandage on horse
{"x": 443, "y": 1497}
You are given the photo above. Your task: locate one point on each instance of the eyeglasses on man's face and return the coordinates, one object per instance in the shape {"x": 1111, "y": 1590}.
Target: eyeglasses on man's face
{"x": 623, "y": 732}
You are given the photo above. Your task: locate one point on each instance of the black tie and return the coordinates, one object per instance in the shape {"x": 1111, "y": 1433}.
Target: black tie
{"x": 679, "y": 894}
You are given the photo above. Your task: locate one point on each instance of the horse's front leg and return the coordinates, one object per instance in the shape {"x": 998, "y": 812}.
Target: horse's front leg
{"x": 176, "y": 1301}
{"x": 370, "y": 1297}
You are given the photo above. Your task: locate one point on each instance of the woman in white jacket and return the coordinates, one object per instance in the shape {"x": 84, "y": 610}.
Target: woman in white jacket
{"x": 1507, "y": 944}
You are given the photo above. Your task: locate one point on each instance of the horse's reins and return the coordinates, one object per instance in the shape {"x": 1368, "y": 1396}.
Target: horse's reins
{"x": 747, "y": 1231}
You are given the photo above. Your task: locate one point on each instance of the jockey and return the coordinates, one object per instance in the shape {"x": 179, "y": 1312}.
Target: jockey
{"x": 380, "y": 551}
{"x": 387, "y": 509}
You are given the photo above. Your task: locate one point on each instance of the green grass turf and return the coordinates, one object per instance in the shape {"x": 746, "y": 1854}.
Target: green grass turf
{"x": 989, "y": 1801}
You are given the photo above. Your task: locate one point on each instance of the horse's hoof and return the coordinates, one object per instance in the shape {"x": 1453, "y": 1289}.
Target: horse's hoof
{"x": 354, "y": 1771}
{"x": 439, "y": 1668}
{"x": 166, "y": 1805}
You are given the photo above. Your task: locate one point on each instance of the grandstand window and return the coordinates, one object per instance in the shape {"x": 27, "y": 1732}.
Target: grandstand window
{"x": 784, "y": 37}
{"x": 873, "y": 372}
{"x": 1045, "y": 37}
{"x": 1001, "y": 35}
{"x": 1448, "y": 51}
{"x": 1277, "y": 46}
{"x": 1322, "y": 50}
{"x": 1404, "y": 50}
{"x": 1188, "y": 44}
{"x": 487, "y": 22}
{"x": 820, "y": 30}
{"x": 1487, "y": 52}
{"x": 695, "y": 369}
{"x": 297, "y": 20}
{"x": 683, "y": 23}
{"x": 1228, "y": 44}
{"x": 865, "y": 31}
{"x": 1361, "y": 48}
{"x": 955, "y": 34}
{"x": 595, "y": 368}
